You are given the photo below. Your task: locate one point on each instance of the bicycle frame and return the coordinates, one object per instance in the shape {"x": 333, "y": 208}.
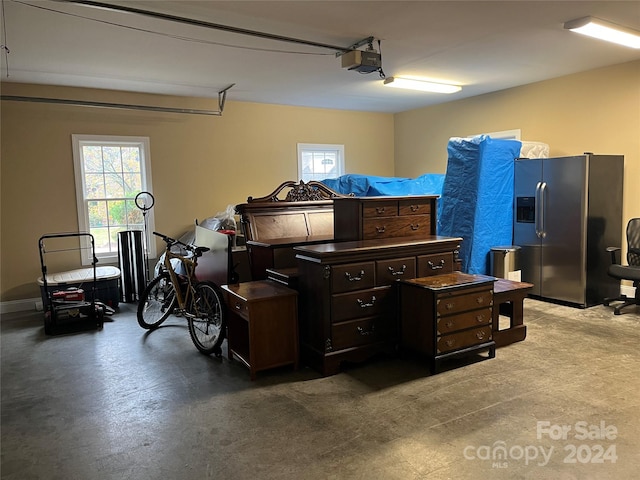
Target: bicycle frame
{"x": 190, "y": 265}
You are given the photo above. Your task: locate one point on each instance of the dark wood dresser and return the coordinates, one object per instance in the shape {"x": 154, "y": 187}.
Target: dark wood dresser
{"x": 446, "y": 316}
{"x": 348, "y": 302}
{"x": 367, "y": 218}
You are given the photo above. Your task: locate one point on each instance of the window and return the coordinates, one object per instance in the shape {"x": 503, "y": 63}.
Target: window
{"x": 110, "y": 172}
{"x": 320, "y": 161}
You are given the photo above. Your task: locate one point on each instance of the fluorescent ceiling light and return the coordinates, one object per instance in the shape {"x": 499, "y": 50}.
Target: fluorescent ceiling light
{"x": 597, "y": 28}
{"x": 422, "y": 85}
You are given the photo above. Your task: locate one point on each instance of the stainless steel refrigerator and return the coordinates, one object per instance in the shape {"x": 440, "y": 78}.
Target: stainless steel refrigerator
{"x": 567, "y": 211}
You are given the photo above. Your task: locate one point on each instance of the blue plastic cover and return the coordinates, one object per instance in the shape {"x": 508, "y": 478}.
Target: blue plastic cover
{"x": 477, "y": 197}
{"x": 371, "y": 186}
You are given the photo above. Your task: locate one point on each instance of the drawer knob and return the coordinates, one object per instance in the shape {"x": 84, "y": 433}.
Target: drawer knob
{"x": 449, "y": 306}
{"x": 415, "y": 227}
{"x": 364, "y": 332}
{"x": 449, "y": 324}
{"x": 434, "y": 266}
{"x": 366, "y": 305}
{"x": 380, "y": 210}
{"x": 480, "y": 300}
{"x": 380, "y": 229}
{"x": 414, "y": 208}
{"x": 480, "y": 318}
{"x": 480, "y": 335}
{"x": 356, "y": 278}
{"x": 450, "y": 342}
{"x": 398, "y": 272}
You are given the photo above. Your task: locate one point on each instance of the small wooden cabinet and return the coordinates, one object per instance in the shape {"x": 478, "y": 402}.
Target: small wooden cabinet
{"x": 262, "y": 324}
{"x": 448, "y": 315}
{"x": 368, "y": 218}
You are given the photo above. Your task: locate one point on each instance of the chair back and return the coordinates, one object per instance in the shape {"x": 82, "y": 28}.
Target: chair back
{"x": 633, "y": 242}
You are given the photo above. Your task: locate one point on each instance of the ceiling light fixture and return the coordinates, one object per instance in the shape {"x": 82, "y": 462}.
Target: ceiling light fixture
{"x": 422, "y": 85}
{"x": 603, "y": 30}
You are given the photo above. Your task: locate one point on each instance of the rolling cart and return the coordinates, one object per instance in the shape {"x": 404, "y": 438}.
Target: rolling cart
{"x": 67, "y": 310}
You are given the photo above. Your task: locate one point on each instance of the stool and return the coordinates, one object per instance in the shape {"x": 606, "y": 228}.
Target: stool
{"x": 508, "y": 299}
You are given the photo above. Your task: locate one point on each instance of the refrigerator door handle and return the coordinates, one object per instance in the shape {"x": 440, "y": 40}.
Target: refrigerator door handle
{"x": 543, "y": 194}
{"x": 537, "y": 210}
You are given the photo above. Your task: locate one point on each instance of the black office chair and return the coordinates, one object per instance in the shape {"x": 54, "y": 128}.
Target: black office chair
{"x": 631, "y": 271}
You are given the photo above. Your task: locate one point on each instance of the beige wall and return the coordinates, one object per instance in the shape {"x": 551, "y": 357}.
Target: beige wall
{"x": 200, "y": 164}
{"x": 596, "y": 111}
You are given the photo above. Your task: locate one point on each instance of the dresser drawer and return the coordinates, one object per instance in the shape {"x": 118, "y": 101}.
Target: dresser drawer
{"x": 388, "y": 271}
{"x": 363, "y": 331}
{"x": 466, "y": 338}
{"x": 389, "y": 227}
{"x": 414, "y": 207}
{"x": 353, "y": 276}
{"x": 363, "y": 303}
{"x": 380, "y": 208}
{"x": 238, "y": 305}
{"x": 435, "y": 264}
{"x": 453, "y": 323}
{"x": 460, "y": 303}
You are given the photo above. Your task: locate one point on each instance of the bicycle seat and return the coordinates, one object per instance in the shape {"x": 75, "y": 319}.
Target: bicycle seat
{"x": 200, "y": 250}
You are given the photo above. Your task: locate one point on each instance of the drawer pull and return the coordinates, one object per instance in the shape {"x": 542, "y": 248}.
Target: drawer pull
{"x": 399, "y": 272}
{"x": 380, "y": 210}
{"x": 414, "y": 208}
{"x": 450, "y": 343}
{"x": 238, "y": 306}
{"x": 480, "y": 335}
{"x": 449, "y": 306}
{"x": 366, "y": 305}
{"x": 415, "y": 227}
{"x": 433, "y": 266}
{"x": 480, "y": 300}
{"x": 354, "y": 279}
{"x": 364, "y": 332}
{"x": 449, "y": 324}
{"x": 480, "y": 318}
{"x": 380, "y": 229}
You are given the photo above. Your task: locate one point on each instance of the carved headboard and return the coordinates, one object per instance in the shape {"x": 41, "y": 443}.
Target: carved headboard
{"x": 294, "y": 209}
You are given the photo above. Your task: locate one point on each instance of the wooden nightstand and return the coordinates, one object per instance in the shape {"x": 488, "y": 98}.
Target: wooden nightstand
{"x": 446, "y": 316}
{"x": 263, "y": 324}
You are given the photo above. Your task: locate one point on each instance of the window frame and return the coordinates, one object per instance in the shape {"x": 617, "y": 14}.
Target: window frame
{"x": 78, "y": 141}
{"x": 321, "y": 147}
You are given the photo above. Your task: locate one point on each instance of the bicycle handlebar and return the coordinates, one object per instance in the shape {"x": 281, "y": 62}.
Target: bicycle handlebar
{"x": 172, "y": 241}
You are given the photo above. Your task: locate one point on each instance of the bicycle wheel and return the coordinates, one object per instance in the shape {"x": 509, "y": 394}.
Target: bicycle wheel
{"x": 156, "y": 302}
{"x": 207, "y": 325}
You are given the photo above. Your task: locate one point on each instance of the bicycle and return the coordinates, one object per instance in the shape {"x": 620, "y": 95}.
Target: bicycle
{"x": 200, "y": 302}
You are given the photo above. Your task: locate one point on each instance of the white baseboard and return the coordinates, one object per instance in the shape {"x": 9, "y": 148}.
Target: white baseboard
{"x": 24, "y": 305}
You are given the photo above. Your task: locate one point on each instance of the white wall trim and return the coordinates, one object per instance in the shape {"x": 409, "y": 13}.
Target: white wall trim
{"x": 21, "y": 305}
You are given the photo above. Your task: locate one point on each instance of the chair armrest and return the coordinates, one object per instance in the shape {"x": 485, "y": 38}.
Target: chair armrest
{"x": 612, "y": 251}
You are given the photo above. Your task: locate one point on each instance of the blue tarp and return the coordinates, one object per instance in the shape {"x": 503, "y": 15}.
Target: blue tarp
{"x": 371, "y": 186}
{"x": 477, "y": 197}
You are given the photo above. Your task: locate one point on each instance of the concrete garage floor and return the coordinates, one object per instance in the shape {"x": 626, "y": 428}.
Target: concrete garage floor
{"x": 122, "y": 403}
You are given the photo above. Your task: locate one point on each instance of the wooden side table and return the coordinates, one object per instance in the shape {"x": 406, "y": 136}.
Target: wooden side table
{"x": 508, "y": 299}
{"x": 447, "y": 316}
{"x": 263, "y": 324}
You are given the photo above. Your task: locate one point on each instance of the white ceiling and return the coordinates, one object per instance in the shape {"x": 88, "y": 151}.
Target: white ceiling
{"x": 483, "y": 46}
